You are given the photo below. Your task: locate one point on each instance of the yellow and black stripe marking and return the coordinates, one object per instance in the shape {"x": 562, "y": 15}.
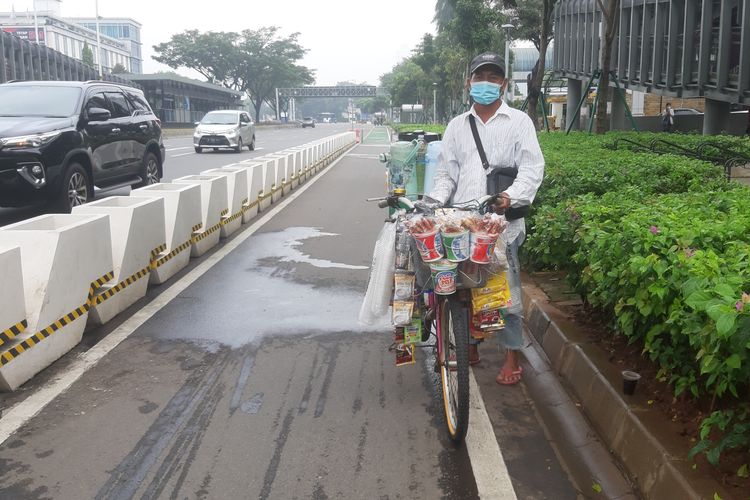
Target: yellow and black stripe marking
{"x": 156, "y": 251}
{"x": 232, "y": 218}
{"x": 199, "y": 236}
{"x": 248, "y": 206}
{"x": 121, "y": 286}
{"x": 95, "y": 285}
{"x": 12, "y": 332}
{"x": 12, "y": 353}
{"x": 224, "y": 212}
{"x": 197, "y": 227}
{"x": 161, "y": 260}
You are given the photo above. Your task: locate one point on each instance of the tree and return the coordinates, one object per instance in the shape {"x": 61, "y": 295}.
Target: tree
{"x": 534, "y": 22}
{"x": 87, "y": 55}
{"x": 255, "y": 62}
{"x": 610, "y": 14}
{"x": 118, "y": 69}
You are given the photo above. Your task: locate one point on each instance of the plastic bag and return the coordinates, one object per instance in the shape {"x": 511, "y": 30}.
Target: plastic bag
{"x": 378, "y": 295}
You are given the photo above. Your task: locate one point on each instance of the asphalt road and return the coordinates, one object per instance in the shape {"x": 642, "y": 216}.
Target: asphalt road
{"x": 183, "y": 160}
{"x": 256, "y": 381}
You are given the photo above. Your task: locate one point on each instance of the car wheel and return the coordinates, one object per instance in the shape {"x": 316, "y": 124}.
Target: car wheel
{"x": 75, "y": 190}
{"x": 150, "y": 172}
{"x": 251, "y": 146}
{"x": 238, "y": 149}
{"x": 198, "y": 150}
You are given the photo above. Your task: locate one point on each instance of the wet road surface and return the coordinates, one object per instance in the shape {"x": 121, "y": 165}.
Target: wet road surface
{"x": 254, "y": 382}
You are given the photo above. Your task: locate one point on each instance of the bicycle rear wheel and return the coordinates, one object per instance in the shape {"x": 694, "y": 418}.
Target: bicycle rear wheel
{"x": 454, "y": 367}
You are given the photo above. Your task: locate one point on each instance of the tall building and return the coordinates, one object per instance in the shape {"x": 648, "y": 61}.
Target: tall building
{"x": 126, "y": 30}
{"x": 672, "y": 48}
{"x": 47, "y": 26}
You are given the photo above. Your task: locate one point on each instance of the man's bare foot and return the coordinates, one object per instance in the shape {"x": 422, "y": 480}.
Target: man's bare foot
{"x": 510, "y": 373}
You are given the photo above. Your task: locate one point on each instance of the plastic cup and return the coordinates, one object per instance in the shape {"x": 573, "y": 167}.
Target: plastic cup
{"x": 629, "y": 381}
{"x": 456, "y": 245}
{"x": 482, "y": 247}
{"x": 444, "y": 276}
{"x": 430, "y": 245}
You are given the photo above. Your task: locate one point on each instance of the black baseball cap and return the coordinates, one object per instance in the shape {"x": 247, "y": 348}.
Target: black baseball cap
{"x": 485, "y": 59}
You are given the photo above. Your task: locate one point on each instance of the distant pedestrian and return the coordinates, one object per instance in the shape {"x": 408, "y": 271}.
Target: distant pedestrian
{"x": 667, "y": 118}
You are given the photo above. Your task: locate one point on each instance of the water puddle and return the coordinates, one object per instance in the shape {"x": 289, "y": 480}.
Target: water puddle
{"x": 262, "y": 298}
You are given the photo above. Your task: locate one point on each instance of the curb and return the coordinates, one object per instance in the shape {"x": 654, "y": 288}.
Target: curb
{"x": 657, "y": 471}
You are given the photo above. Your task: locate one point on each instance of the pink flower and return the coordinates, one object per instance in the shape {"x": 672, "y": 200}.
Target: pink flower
{"x": 689, "y": 252}
{"x": 739, "y": 305}
{"x": 654, "y": 230}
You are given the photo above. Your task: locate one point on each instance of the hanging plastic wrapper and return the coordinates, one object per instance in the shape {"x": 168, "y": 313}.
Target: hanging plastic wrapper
{"x": 378, "y": 295}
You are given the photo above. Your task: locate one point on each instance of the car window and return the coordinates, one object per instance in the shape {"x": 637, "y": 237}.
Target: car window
{"x": 97, "y": 101}
{"x": 219, "y": 118}
{"x": 119, "y": 104}
{"x": 244, "y": 118}
{"x": 140, "y": 104}
{"x": 39, "y": 100}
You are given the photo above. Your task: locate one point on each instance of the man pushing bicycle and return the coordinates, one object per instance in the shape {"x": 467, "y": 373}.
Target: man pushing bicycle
{"x": 493, "y": 149}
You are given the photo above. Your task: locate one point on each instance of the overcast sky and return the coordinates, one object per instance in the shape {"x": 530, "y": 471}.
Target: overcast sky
{"x": 348, "y": 40}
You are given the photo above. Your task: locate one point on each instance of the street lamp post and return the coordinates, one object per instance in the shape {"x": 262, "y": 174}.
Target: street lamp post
{"x": 434, "y": 102}
{"x": 98, "y": 43}
{"x": 507, "y": 28}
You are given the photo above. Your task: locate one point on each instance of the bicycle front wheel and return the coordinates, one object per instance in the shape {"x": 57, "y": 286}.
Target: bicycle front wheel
{"x": 454, "y": 367}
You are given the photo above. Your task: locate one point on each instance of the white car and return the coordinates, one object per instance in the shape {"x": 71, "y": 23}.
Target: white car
{"x": 224, "y": 128}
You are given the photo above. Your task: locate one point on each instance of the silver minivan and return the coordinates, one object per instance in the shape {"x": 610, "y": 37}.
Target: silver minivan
{"x": 224, "y": 128}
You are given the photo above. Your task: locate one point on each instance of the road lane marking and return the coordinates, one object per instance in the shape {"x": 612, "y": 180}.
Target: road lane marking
{"x": 18, "y": 415}
{"x": 175, "y": 149}
{"x": 183, "y": 154}
{"x": 487, "y": 463}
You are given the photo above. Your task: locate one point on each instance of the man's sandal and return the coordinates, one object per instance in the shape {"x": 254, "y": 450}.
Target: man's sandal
{"x": 509, "y": 377}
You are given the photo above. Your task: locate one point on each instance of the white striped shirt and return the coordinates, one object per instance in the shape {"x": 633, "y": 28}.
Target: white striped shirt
{"x": 509, "y": 140}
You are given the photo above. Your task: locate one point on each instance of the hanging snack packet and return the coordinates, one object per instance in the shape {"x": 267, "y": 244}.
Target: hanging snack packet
{"x": 402, "y": 312}
{"x": 413, "y": 332}
{"x": 404, "y": 355}
{"x": 403, "y": 286}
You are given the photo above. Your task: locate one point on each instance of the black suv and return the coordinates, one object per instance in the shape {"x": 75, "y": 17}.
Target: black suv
{"x": 60, "y": 139}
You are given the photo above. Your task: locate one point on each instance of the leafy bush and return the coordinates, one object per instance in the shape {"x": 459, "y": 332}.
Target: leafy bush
{"x": 661, "y": 243}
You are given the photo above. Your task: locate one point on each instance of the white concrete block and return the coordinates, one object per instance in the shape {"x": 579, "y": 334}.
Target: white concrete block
{"x": 255, "y": 188}
{"x": 13, "y": 306}
{"x": 137, "y": 233}
{"x": 238, "y": 189}
{"x": 62, "y": 255}
{"x": 214, "y": 205}
{"x": 284, "y": 171}
{"x": 182, "y": 213}
{"x": 295, "y": 161}
{"x": 269, "y": 182}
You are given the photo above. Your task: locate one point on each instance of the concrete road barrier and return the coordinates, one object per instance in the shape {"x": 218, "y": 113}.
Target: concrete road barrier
{"x": 137, "y": 233}
{"x": 182, "y": 215}
{"x": 13, "y": 310}
{"x": 295, "y": 161}
{"x": 269, "y": 179}
{"x": 279, "y": 165}
{"x": 214, "y": 206}
{"x": 284, "y": 171}
{"x": 255, "y": 188}
{"x": 301, "y": 163}
{"x": 65, "y": 258}
{"x": 237, "y": 190}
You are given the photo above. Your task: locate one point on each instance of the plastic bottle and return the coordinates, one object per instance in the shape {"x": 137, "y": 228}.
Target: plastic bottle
{"x": 415, "y": 182}
{"x": 431, "y": 159}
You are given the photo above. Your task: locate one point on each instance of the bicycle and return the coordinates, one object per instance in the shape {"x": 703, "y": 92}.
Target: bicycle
{"x": 446, "y": 317}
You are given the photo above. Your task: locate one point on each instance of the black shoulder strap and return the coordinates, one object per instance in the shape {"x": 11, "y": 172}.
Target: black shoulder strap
{"x": 478, "y": 142}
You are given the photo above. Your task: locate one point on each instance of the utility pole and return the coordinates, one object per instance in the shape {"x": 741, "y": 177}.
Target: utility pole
{"x": 507, "y": 28}
{"x": 98, "y": 43}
